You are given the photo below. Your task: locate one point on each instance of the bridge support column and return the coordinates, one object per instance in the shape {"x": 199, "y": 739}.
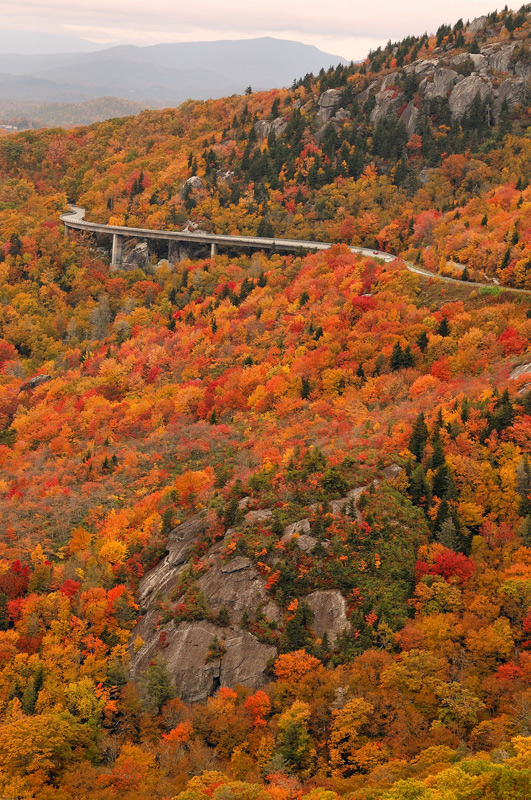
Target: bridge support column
{"x": 213, "y": 250}
{"x": 117, "y": 247}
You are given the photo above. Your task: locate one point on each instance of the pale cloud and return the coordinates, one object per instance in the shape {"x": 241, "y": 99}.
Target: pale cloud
{"x": 343, "y": 27}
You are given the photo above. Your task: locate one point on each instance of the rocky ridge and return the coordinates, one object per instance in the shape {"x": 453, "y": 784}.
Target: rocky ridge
{"x": 498, "y": 74}
{"x": 202, "y": 655}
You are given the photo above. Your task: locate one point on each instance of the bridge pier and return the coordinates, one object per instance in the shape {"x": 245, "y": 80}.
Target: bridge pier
{"x": 117, "y": 248}
{"x": 213, "y": 250}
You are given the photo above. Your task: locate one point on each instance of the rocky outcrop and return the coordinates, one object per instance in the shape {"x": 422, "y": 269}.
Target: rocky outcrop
{"x": 194, "y": 182}
{"x": 186, "y": 647}
{"x": 514, "y": 91}
{"x": 329, "y": 614}
{"x": 187, "y": 650}
{"x": 477, "y": 25}
{"x": 523, "y": 70}
{"x": 478, "y": 60}
{"x": 465, "y": 92}
{"x": 499, "y": 58}
{"x": 410, "y": 117}
{"x": 160, "y": 579}
{"x": 426, "y": 66}
{"x": 32, "y": 383}
{"x": 388, "y": 103}
{"x": 523, "y": 371}
{"x": 135, "y": 255}
{"x": 236, "y": 585}
{"x": 443, "y": 82}
{"x": 328, "y": 101}
{"x": 180, "y": 251}
{"x": 263, "y": 127}
{"x": 202, "y": 655}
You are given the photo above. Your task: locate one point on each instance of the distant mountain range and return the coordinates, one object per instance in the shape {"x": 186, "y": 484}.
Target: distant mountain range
{"x": 158, "y": 75}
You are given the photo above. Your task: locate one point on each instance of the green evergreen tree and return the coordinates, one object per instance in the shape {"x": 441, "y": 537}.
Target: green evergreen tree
{"x": 419, "y": 437}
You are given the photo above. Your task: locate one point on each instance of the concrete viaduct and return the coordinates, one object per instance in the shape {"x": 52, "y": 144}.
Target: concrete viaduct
{"x": 75, "y": 220}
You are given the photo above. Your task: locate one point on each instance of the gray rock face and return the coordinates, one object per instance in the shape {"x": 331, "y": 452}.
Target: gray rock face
{"x": 278, "y": 126}
{"x": 329, "y": 613}
{"x": 422, "y": 67}
{"x": 479, "y": 60}
{"x": 302, "y": 526}
{"x": 306, "y": 543}
{"x": 443, "y": 81}
{"x": 341, "y": 116}
{"x": 260, "y": 515}
{"x": 463, "y": 94}
{"x": 500, "y": 60}
{"x": 477, "y": 25}
{"x": 180, "y": 542}
{"x": 409, "y": 117}
{"x": 363, "y": 96}
{"x": 514, "y": 91}
{"x": 135, "y": 254}
{"x": 234, "y": 584}
{"x": 523, "y": 70}
{"x": 388, "y": 102}
{"x": 330, "y": 99}
{"x": 389, "y": 80}
{"x": 180, "y": 251}
{"x": 185, "y": 653}
{"x": 263, "y": 127}
{"x": 337, "y": 121}
{"x": 520, "y": 372}
{"x": 392, "y": 471}
{"x": 323, "y": 116}
{"x": 194, "y": 182}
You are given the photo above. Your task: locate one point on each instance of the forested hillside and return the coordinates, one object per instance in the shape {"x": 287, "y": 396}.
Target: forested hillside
{"x": 266, "y": 519}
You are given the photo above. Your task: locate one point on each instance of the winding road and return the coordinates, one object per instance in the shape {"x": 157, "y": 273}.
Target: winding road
{"x": 75, "y": 220}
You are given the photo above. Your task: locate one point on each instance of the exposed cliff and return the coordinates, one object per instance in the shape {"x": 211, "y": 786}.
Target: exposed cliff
{"x": 212, "y": 619}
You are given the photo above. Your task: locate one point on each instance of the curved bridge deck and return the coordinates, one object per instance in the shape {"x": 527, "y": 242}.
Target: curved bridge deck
{"x": 75, "y": 220}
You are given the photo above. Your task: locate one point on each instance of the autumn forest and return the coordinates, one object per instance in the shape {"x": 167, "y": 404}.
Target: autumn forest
{"x": 266, "y": 517}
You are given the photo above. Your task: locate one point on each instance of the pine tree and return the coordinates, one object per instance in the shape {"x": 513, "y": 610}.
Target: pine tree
{"x": 444, "y": 327}
{"x": 396, "y": 357}
{"x": 422, "y": 341}
{"x": 419, "y": 437}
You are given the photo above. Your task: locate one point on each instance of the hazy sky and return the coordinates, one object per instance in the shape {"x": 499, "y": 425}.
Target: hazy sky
{"x": 344, "y": 27}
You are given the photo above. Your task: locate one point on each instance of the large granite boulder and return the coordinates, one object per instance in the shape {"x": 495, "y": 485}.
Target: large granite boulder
{"x": 194, "y": 182}
{"x": 443, "y": 82}
{"x": 426, "y": 66}
{"x": 263, "y": 127}
{"x": 330, "y": 99}
{"x": 328, "y": 102}
{"x": 464, "y": 93}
